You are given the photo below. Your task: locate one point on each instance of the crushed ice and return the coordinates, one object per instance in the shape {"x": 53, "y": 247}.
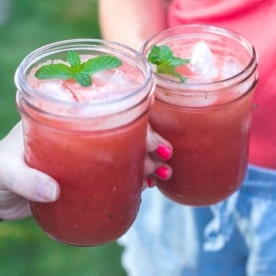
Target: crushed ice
{"x": 56, "y": 90}
{"x": 230, "y": 68}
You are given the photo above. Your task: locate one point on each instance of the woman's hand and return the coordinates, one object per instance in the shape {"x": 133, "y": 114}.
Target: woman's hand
{"x": 20, "y": 183}
{"x": 159, "y": 150}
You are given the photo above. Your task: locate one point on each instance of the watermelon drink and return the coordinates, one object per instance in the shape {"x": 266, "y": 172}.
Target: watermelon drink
{"x": 91, "y": 139}
{"x": 206, "y": 117}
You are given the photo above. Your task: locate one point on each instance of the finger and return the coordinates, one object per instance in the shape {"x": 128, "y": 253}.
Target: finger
{"x": 149, "y": 182}
{"x": 157, "y": 145}
{"x": 149, "y": 165}
{"x": 17, "y": 177}
{"x": 162, "y": 171}
{"x": 29, "y": 183}
{"x": 156, "y": 167}
{"x": 159, "y": 171}
{"x": 13, "y": 206}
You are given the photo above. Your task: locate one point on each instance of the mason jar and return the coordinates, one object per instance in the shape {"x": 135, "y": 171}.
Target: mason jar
{"x": 207, "y": 117}
{"x": 91, "y": 140}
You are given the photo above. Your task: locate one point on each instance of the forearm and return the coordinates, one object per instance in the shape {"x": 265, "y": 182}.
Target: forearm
{"x": 131, "y": 21}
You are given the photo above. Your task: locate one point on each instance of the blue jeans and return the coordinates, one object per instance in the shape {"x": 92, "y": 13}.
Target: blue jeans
{"x": 234, "y": 237}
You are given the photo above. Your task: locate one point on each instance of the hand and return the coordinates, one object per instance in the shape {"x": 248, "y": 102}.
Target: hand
{"x": 18, "y": 182}
{"x": 158, "y": 151}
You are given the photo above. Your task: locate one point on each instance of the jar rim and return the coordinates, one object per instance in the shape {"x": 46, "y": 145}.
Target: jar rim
{"x": 100, "y": 45}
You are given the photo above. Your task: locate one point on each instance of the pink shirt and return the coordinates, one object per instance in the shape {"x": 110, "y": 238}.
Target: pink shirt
{"x": 256, "y": 20}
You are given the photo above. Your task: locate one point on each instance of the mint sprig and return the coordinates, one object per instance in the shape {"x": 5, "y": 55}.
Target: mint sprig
{"x": 166, "y": 63}
{"x": 80, "y": 72}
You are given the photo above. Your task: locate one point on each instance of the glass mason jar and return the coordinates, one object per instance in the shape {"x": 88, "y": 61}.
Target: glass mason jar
{"x": 206, "y": 118}
{"x": 94, "y": 148}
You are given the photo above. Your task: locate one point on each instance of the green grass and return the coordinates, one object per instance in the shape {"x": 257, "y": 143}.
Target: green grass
{"x": 32, "y": 24}
{"x": 25, "y": 251}
{"x": 24, "y": 248}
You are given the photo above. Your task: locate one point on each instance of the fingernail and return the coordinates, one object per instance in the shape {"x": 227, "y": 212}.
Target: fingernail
{"x": 149, "y": 182}
{"x": 162, "y": 172}
{"x": 46, "y": 191}
{"x": 164, "y": 152}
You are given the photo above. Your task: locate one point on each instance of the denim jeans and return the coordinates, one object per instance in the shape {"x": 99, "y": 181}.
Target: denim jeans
{"x": 234, "y": 237}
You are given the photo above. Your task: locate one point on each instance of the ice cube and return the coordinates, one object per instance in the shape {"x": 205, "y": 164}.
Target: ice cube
{"x": 121, "y": 78}
{"x": 231, "y": 67}
{"x": 203, "y": 62}
{"x": 116, "y": 77}
{"x": 112, "y": 85}
{"x": 56, "y": 90}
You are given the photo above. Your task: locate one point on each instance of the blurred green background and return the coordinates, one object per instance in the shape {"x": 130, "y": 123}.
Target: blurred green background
{"x": 24, "y": 248}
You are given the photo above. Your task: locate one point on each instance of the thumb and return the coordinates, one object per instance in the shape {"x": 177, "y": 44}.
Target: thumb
{"x": 28, "y": 183}
{"x": 19, "y": 178}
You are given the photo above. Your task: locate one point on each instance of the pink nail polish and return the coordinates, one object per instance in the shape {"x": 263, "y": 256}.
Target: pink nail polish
{"x": 162, "y": 172}
{"x": 149, "y": 182}
{"x": 164, "y": 152}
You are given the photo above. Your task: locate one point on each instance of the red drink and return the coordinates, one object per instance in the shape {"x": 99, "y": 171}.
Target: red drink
{"x": 91, "y": 140}
{"x": 207, "y": 118}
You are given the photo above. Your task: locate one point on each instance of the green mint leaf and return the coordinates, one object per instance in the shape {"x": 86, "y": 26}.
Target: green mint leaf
{"x": 83, "y": 79}
{"x": 54, "y": 71}
{"x": 160, "y": 54}
{"x": 166, "y": 68}
{"x": 80, "y": 72}
{"x": 181, "y": 78}
{"x": 166, "y": 62}
{"x": 74, "y": 59}
{"x": 100, "y": 63}
{"x": 175, "y": 61}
